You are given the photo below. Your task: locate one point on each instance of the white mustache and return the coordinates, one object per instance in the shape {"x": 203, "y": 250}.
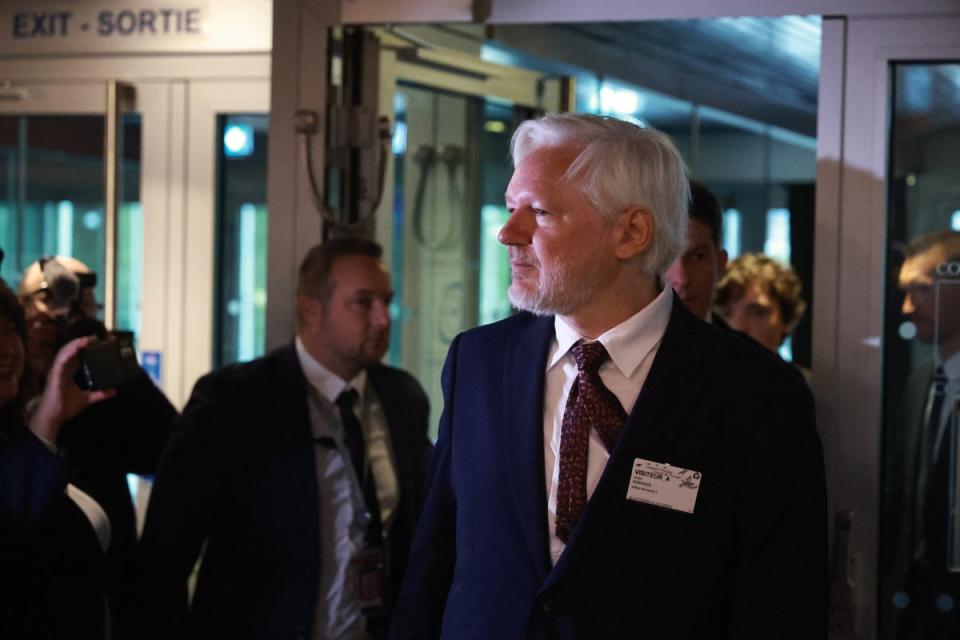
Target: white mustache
{"x": 518, "y": 255}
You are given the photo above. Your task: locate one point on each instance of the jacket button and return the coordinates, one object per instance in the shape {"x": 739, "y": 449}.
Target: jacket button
{"x": 547, "y": 606}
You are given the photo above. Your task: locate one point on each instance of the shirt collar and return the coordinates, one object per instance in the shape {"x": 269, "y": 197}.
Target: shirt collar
{"x": 629, "y": 342}
{"x": 329, "y": 384}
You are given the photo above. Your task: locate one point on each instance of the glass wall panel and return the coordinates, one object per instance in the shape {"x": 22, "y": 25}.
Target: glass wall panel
{"x": 920, "y": 531}
{"x": 51, "y": 195}
{"x": 241, "y": 238}
{"x": 130, "y": 230}
{"x": 449, "y": 272}
{"x": 764, "y": 179}
{"x": 51, "y": 200}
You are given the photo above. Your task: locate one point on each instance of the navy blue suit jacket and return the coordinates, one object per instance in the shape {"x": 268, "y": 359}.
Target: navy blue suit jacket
{"x": 750, "y": 562}
{"x": 240, "y": 475}
{"x": 52, "y": 570}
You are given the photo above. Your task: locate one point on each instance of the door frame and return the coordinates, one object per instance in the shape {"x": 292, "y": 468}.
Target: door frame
{"x": 851, "y": 239}
{"x": 178, "y": 98}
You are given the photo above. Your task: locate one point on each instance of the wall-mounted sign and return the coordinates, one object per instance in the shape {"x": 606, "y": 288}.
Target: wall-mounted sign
{"x": 143, "y": 26}
{"x": 152, "y": 363}
{"x": 380, "y": 11}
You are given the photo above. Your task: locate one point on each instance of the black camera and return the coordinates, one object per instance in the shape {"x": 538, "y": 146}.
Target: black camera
{"x": 107, "y": 364}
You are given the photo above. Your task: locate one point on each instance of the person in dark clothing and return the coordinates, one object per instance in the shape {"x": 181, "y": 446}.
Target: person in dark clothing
{"x": 301, "y": 474}
{"x": 920, "y": 554}
{"x": 52, "y": 534}
{"x": 694, "y": 274}
{"x": 599, "y": 472}
{"x": 103, "y": 443}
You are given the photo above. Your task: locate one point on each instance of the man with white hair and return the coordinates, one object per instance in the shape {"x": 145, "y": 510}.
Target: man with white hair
{"x": 599, "y": 472}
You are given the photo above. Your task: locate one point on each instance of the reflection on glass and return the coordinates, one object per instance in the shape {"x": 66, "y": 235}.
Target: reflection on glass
{"x": 54, "y": 169}
{"x": 51, "y": 202}
{"x": 242, "y": 238}
{"x": 449, "y": 272}
{"x": 129, "y": 229}
{"x": 920, "y": 531}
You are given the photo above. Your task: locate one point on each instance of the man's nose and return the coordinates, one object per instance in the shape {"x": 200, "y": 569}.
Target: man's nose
{"x": 518, "y": 228}
{"x": 381, "y": 314}
{"x": 908, "y": 307}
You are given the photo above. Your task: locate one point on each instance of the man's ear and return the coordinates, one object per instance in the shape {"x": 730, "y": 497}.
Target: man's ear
{"x": 633, "y": 232}
{"x": 722, "y": 258}
{"x": 308, "y": 309}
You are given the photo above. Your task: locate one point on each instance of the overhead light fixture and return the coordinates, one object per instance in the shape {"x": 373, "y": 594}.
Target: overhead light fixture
{"x": 619, "y": 101}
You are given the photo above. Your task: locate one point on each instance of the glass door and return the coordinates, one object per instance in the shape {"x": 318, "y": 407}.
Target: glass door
{"x": 224, "y": 227}
{"x": 443, "y": 199}
{"x": 887, "y": 385}
{"x": 52, "y": 194}
{"x": 191, "y": 216}
{"x": 920, "y": 536}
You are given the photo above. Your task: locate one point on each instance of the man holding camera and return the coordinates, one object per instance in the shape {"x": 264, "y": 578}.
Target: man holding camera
{"x": 106, "y": 441}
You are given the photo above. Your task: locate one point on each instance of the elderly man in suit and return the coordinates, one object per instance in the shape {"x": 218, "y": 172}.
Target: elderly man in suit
{"x": 599, "y": 473}
{"x": 303, "y": 472}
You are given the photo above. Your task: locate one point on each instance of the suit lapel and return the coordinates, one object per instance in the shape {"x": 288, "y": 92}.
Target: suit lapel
{"x": 522, "y": 437}
{"x": 652, "y": 430}
{"x": 294, "y": 435}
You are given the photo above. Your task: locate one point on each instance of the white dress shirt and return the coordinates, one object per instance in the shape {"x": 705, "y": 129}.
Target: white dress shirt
{"x": 94, "y": 513}
{"x": 632, "y": 346}
{"x": 343, "y": 514}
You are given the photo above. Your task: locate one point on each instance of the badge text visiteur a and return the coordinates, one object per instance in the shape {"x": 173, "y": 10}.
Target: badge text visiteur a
{"x": 663, "y": 485}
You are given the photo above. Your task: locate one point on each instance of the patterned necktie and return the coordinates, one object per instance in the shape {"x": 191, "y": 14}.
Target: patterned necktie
{"x": 589, "y": 405}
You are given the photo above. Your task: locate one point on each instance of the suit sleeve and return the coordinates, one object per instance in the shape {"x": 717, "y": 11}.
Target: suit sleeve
{"x": 419, "y": 609}
{"x": 152, "y": 419}
{"x": 180, "y": 513}
{"x": 781, "y": 582}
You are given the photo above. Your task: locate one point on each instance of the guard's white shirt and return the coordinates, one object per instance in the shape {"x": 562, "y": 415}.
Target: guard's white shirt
{"x": 343, "y": 518}
{"x": 632, "y": 346}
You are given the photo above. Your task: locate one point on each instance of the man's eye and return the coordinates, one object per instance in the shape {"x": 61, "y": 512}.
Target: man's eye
{"x": 363, "y": 302}
{"x": 541, "y": 212}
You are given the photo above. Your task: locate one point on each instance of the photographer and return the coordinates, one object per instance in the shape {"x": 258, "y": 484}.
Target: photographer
{"x": 53, "y": 536}
{"x": 107, "y": 441}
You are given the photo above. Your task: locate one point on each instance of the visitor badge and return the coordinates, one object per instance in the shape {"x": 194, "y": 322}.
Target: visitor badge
{"x": 663, "y": 485}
